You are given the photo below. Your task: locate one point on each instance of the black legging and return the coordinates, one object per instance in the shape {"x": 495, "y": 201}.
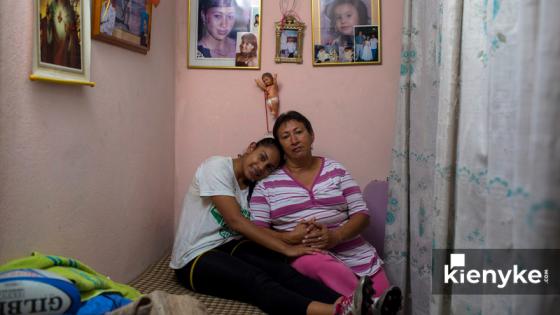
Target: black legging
{"x": 244, "y": 271}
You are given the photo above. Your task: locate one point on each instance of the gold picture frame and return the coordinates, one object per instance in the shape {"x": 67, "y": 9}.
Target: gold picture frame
{"x": 354, "y": 42}
{"x": 289, "y": 40}
{"x": 62, "y": 45}
{"x": 124, "y": 23}
{"x": 224, "y": 34}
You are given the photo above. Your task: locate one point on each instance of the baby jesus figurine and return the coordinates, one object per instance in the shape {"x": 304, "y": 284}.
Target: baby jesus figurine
{"x": 269, "y": 84}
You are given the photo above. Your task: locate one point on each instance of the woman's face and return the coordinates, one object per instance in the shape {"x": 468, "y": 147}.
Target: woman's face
{"x": 345, "y": 16}
{"x": 260, "y": 162}
{"x": 219, "y": 21}
{"x": 295, "y": 139}
{"x": 247, "y": 47}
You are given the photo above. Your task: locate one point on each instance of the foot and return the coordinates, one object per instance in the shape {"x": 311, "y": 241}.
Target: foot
{"x": 389, "y": 303}
{"x": 359, "y": 302}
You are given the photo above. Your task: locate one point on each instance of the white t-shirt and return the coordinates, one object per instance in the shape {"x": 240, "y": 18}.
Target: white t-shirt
{"x": 201, "y": 226}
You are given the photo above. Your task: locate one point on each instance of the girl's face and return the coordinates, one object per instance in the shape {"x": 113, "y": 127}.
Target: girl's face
{"x": 260, "y": 162}
{"x": 295, "y": 139}
{"x": 219, "y": 21}
{"x": 346, "y": 16}
{"x": 246, "y": 47}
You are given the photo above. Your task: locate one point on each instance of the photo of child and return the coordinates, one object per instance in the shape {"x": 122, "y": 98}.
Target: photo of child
{"x": 347, "y": 26}
{"x": 348, "y": 55}
{"x": 339, "y": 18}
{"x": 321, "y": 54}
{"x": 288, "y": 44}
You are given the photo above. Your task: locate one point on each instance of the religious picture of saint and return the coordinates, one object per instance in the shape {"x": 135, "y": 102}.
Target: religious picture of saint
{"x": 59, "y": 37}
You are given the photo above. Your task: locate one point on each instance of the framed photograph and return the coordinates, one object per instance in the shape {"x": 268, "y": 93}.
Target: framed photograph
{"x": 289, "y": 40}
{"x": 61, "y": 41}
{"x": 125, "y": 23}
{"x": 224, "y": 34}
{"x": 346, "y": 32}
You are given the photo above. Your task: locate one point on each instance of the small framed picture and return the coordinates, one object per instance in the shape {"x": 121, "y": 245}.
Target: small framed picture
{"x": 125, "y": 23}
{"x": 346, "y": 32}
{"x": 289, "y": 40}
{"x": 61, "y": 42}
{"x": 224, "y": 34}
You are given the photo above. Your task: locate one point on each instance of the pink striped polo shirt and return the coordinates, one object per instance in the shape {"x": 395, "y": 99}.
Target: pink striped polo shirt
{"x": 279, "y": 202}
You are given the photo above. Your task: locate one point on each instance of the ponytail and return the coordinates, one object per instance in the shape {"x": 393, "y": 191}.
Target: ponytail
{"x": 251, "y": 188}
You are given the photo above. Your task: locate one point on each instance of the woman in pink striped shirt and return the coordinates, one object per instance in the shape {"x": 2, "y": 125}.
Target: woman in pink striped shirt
{"x": 313, "y": 200}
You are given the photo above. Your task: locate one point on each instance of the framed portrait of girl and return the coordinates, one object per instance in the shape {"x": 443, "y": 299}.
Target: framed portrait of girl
{"x": 346, "y": 32}
{"x": 224, "y": 34}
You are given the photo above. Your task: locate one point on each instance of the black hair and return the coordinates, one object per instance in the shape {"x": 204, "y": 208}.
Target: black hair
{"x": 287, "y": 116}
{"x": 267, "y": 142}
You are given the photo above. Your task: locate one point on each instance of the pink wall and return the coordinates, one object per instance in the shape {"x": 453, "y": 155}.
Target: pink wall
{"x": 88, "y": 172}
{"x": 351, "y": 108}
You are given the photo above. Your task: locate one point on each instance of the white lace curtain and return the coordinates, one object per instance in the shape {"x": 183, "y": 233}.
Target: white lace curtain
{"x": 476, "y": 159}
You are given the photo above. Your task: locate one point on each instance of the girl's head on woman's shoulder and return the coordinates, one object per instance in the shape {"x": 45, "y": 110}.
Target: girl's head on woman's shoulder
{"x": 345, "y": 14}
{"x": 261, "y": 159}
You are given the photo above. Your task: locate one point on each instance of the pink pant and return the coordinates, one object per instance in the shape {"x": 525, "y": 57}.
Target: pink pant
{"x": 335, "y": 274}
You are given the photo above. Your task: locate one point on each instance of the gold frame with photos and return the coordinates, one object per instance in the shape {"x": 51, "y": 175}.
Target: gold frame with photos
{"x": 328, "y": 49}
{"x": 247, "y": 21}
{"x": 294, "y": 27}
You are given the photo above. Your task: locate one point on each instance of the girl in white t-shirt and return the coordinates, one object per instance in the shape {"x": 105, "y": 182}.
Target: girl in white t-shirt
{"x": 210, "y": 256}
